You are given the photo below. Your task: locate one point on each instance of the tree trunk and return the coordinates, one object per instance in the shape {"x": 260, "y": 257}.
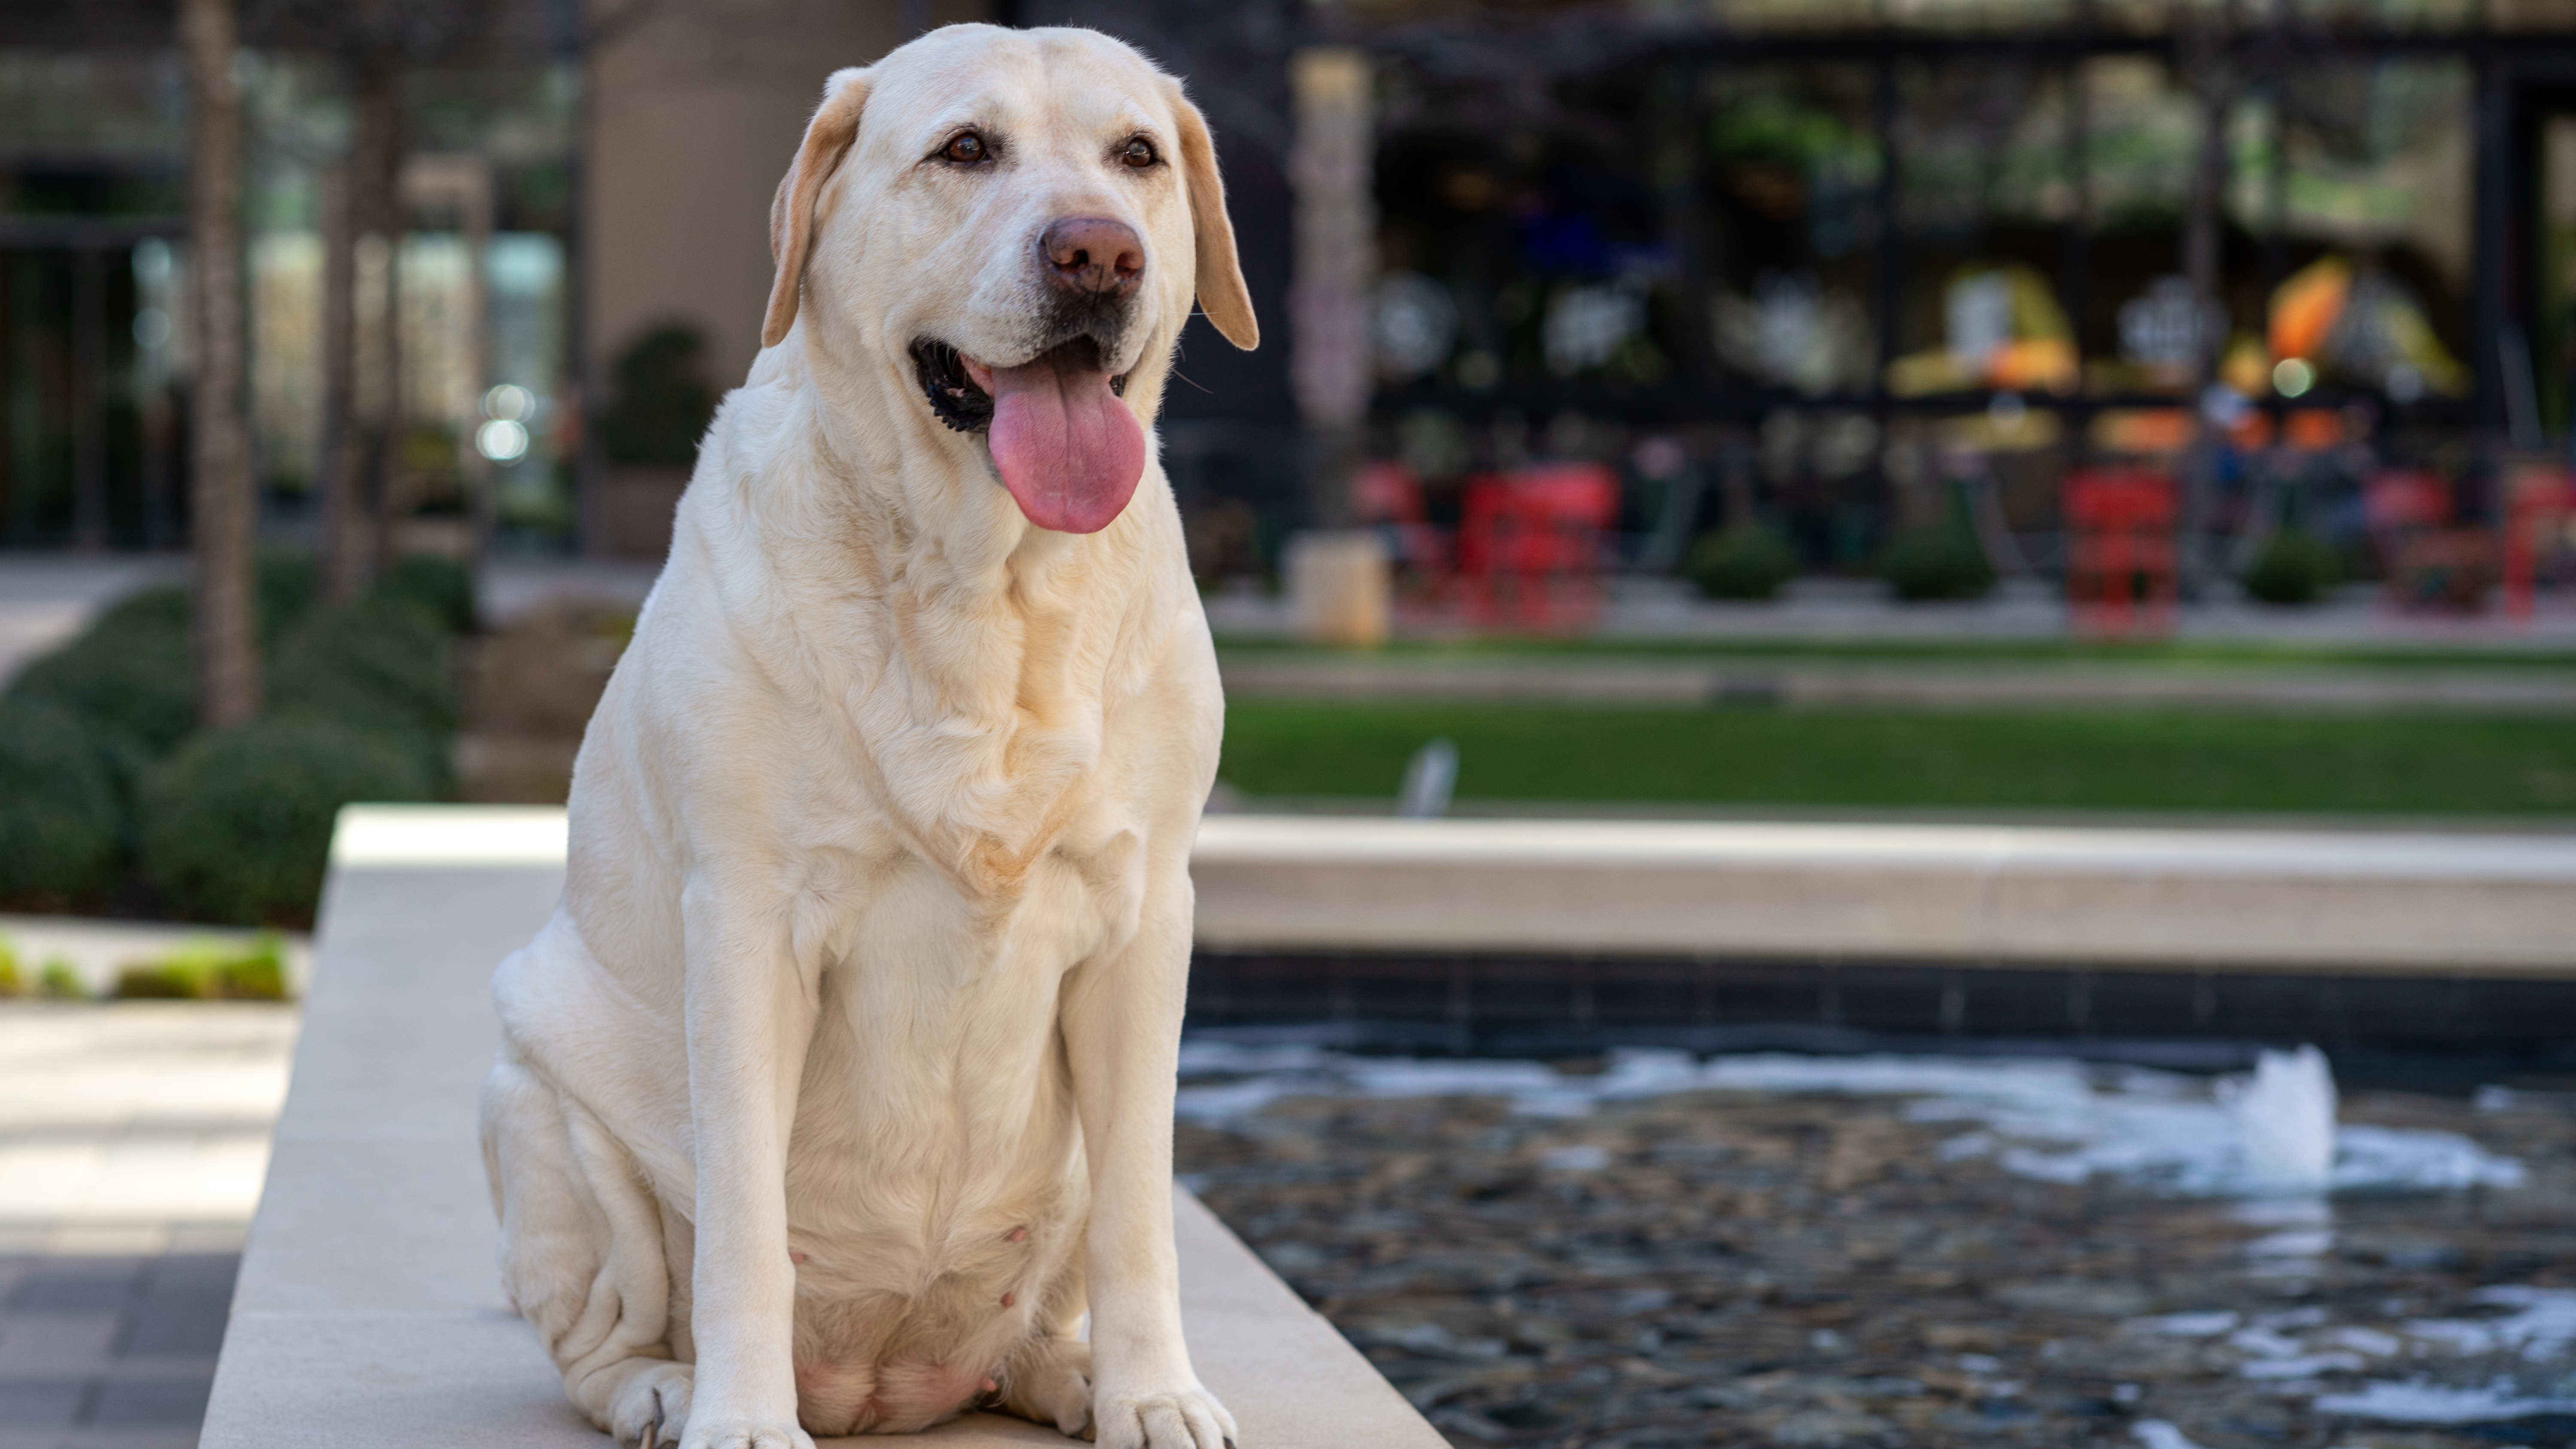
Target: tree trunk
{"x": 362, "y": 455}
{"x": 378, "y": 193}
{"x": 339, "y": 498}
{"x": 224, "y": 655}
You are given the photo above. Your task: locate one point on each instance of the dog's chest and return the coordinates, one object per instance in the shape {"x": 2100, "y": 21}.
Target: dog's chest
{"x": 996, "y": 793}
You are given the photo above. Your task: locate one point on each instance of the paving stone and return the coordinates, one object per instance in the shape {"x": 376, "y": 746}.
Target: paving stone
{"x": 151, "y": 1401}
{"x": 45, "y": 1344}
{"x": 185, "y": 1302}
{"x": 129, "y": 1437}
{"x": 78, "y": 1285}
{"x": 141, "y": 1368}
{"x": 29, "y": 1404}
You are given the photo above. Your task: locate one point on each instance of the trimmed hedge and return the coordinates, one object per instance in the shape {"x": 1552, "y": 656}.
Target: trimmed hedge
{"x": 100, "y": 774}
{"x": 445, "y": 586}
{"x": 60, "y": 816}
{"x": 1935, "y": 564}
{"x": 1749, "y": 562}
{"x": 2297, "y": 569}
{"x": 237, "y": 824}
{"x": 378, "y": 665}
{"x": 127, "y": 674}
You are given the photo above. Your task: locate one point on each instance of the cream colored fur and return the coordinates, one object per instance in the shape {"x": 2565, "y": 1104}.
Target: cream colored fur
{"x": 840, "y": 1083}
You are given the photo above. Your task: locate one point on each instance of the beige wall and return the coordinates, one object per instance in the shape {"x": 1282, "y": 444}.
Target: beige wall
{"x": 696, "y": 115}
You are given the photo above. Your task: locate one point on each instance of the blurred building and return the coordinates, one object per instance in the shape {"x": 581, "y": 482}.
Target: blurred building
{"x": 1819, "y": 251}
{"x": 1836, "y": 248}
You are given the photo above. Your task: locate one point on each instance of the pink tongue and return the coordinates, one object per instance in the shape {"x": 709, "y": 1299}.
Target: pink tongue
{"x": 1067, "y": 448}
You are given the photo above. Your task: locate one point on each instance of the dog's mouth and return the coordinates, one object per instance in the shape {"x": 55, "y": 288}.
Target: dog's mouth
{"x": 1065, "y": 445}
{"x": 958, "y": 396}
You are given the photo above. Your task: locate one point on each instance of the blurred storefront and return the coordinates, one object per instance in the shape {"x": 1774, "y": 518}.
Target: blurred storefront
{"x": 1858, "y": 271}
{"x": 94, "y": 276}
{"x": 1848, "y": 270}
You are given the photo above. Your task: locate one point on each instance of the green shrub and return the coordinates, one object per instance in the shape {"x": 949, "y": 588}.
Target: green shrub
{"x": 11, "y": 983}
{"x": 663, "y": 401}
{"x": 1937, "y": 563}
{"x": 152, "y": 983}
{"x": 284, "y": 584}
{"x": 1745, "y": 562}
{"x": 378, "y": 665}
{"x": 59, "y": 982}
{"x": 60, "y": 814}
{"x": 163, "y": 609}
{"x": 2296, "y": 569}
{"x": 254, "y": 970}
{"x": 445, "y": 586}
{"x": 127, "y": 674}
{"x": 236, "y": 825}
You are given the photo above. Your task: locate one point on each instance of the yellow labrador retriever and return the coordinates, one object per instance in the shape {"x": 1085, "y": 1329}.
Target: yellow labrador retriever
{"x": 839, "y": 1086}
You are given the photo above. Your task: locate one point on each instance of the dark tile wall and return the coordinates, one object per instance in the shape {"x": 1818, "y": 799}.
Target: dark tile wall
{"x": 1489, "y": 1001}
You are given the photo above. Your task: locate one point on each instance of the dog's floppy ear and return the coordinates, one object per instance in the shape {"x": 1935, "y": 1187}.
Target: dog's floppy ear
{"x": 1222, "y": 295}
{"x": 791, "y": 215}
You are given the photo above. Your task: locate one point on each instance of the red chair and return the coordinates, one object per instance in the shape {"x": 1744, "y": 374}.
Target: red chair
{"x": 2431, "y": 562}
{"x": 1387, "y": 496}
{"x": 1530, "y": 542}
{"x": 2120, "y": 553}
{"x": 2539, "y": 504}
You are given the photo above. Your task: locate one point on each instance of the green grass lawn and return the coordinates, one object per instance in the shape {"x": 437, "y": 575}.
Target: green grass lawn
{"x": 2019, "y": 760}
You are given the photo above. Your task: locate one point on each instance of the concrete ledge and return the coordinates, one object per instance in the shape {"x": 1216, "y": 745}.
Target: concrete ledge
{"x": 2151, "y": 899}
{"x": 2184, "y": 899}
{"x": 369, "y": 1312}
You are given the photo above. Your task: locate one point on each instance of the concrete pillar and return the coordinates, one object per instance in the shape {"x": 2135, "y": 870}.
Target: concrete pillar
{"x": 1336, "y": 259}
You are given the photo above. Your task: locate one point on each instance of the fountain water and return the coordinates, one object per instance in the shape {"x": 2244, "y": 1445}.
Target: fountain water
{"x": 2285, "y": 1121}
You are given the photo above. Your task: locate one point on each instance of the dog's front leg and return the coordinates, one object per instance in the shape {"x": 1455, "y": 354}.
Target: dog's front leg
{"x": 750, "y": 1017}
{"x": 1122, "y": 1032}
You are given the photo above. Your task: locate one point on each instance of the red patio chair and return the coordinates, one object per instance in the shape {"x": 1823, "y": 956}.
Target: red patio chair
{"x": 2119, "y": 550}
{"x": 2431, "y": 562}
{"x": 2539, "y": 504}
{"x": 1530, "y": 542}
{"x": 1388, "y": 496}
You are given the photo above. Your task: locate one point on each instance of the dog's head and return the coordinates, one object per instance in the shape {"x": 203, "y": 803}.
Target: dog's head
{"x": 1018, "y": 221}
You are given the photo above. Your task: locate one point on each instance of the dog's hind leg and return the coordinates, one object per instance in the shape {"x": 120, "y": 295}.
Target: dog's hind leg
{"x": 1048, "y": 1380}
{"x": 583, "y": 1256}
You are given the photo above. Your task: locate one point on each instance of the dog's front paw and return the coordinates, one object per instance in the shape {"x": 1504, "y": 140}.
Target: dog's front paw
{"x": 1180, "y": 1418}
{"x": 744, "y": 1433}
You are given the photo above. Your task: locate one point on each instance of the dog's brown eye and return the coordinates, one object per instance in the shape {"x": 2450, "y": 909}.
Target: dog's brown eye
{"x": 1138, "y": 153}
{"x": 967, "y": 149}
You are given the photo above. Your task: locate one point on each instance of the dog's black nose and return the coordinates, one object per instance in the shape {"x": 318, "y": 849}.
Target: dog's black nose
{"x": 1092, "y": 256}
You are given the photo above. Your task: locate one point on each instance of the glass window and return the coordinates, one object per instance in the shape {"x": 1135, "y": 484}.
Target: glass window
{"x": 1789, "y": 196}
{"x": 1986, "y": 198}
{"x": 2371, "y": 208}
{"x": 1527, "y": 238}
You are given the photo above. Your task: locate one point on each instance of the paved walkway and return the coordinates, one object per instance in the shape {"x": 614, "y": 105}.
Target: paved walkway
{"x": 1828, "y": 610}
{"x": 46, "y": 598}
{"x": 133, "y": 1142}
{"x": 1258, "y": 674}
